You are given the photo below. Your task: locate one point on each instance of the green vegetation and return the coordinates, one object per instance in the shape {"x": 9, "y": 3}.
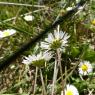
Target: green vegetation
{"x": 72, "y": 50}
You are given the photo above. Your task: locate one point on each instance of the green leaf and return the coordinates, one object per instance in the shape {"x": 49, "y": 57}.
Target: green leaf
{"x": 89, "y": 55}
{"x": 75, "y": 51}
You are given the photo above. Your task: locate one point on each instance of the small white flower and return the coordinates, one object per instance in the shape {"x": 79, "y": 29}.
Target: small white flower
{"x": 37, "y": 60}
{"x": 29, "y": 17}
{"x": 70, "y": 90}
{"x": 69, "y": 8}
{"x": 85, "y": 68}
{"x": 7, "y": 32}
{"x": 55, "y": 40}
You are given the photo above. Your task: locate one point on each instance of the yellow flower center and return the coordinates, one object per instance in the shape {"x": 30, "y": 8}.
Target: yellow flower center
{"x": 84, "y": 67}
{"x": 39, "y": 63}
{"x": 56, "y": 44}
{"x": 93, "y": 22}
{"x": 69, "y": 92}
{"x": 6, "y": 33}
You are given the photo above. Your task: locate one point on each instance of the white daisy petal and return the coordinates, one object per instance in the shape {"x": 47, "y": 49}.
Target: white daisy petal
{"x": 84, "y": 73}
{"x": 62, "y": 34}
{"x": 70, "y": 90}
{"x": 44, "y": 45}
{"x": 56, "y": 34}
{"x": 50, "y": 37}
{"x": 47, "y": 56}
{"x": 41, "y": 57}
{"x": 90, "y": 70}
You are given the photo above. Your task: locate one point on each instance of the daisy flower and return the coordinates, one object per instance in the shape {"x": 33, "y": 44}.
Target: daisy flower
{"x": 70, "y": 90}
{"x": 85, "y": 68}
{"x": 55, "y": 40}
{"x": 28, "y": 17}
{"x": 37, "y": 60}
{"x": 7, "y": 32}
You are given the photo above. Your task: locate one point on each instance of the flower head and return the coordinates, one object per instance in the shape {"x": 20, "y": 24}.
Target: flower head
{"x": 70, "y": 90}
{"x": 37, "y": 60}
{"x": 55, "y": 40}
{"x": 7, "y": 32}
{"x": 93, "y": 22}
{"x": 29, "y": 17}
{"x": 85, "y": 68}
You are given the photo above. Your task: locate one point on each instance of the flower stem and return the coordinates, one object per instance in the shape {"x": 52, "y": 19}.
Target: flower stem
{"x": 54, "y": 76}
{"x": 46, "y": 75}
{"x": 43, "y": 85}
{"x": 60, "y": 66}
{"x": 35, "y": 80}
{"x": 21, "y": 4}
